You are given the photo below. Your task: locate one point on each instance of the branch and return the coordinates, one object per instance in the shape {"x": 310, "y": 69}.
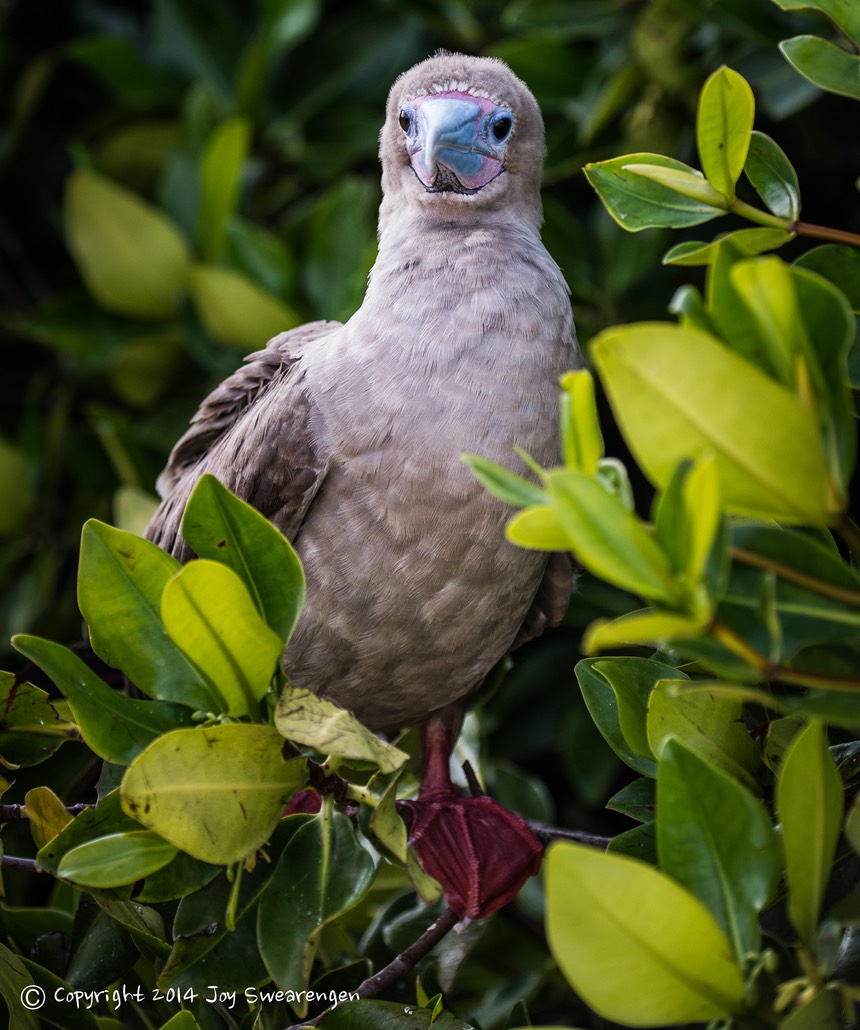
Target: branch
{"x": 547, "y": 834}
{"x": 30, "y": 865}
{"x": 14, "y": 813}
{"x": 375, "y": 985}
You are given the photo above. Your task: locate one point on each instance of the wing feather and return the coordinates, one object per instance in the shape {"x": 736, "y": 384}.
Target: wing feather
{"x": 253, "y": 433}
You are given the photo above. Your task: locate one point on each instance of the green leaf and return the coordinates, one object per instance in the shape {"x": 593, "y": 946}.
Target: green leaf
{"x": 221, "y": 166}
{"x": 504, "y": 484}
{"x": 16, "y": 489}
{"x": 843, "y": 13}
{"x": 117, "y": 728}
{"x": 691, "y": 184}
{"x": 582, "y": 441}
{"x": 637, "y": 202}
{"x": 747, "y": 241}
{"x": 107, "y": 817}
{"x": 216, "y": 792}
{"x": 115, "y": 860}
{"x": 219, "y": 526}
{"x": 637, "y": 800}
{"x": 766, "y": 287}
{"x": 323, "y": 872}
{"x": 645, "y": 627}
{"x": 609, "y": 540}
{"x": 688, "y": 516}
{"x": 131, "y": 257}
{"x": 120, "y": 582}
{"x": 635, "y": 946}
{"x": 387, "y": 825}
{"x": 838, "y": 263}
{"x": 616, "y": 692}
{"x": 31, "y": 728}
{"x": 708, "y": 724}
{"x": 209, "y": 615}
{"x": 236, "y": 311}
{"x": 716, "y": 839}
{"x": 46, "y": 814}
{"x": 310, "y": 720}
{"x": 18, "y": 990}
{"x": 773, "y": 177}
{"x": 538, "y": 527}
{"x": 809, "y": 807}
{"x": 659, "y": 379}
{"x": 723, "y": 127}
{"x": 825, "y": 64}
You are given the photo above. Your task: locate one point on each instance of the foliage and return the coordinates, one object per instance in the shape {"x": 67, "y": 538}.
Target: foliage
{"x": 741, "y": 415}
{"x": 189, "y": 179}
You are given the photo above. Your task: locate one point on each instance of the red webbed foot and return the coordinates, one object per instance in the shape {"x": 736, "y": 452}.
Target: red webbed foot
{"x": 480, "y": 852}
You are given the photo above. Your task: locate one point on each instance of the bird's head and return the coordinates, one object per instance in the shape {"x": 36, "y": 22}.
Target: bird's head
{"x": 462, "y": 133}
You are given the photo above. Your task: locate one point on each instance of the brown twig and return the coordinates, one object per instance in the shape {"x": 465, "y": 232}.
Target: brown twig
{"x": 14, "y": 813}
{"x": 30, "y": 865}
{"x": 547, "y": 834}
{"x": 375, "y": 985}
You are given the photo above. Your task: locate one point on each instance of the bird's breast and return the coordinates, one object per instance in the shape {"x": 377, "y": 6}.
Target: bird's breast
{"x": 411, "y": 582}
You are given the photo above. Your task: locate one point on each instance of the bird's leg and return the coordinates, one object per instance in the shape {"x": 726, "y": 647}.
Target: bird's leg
{"x": 480, "y": 852}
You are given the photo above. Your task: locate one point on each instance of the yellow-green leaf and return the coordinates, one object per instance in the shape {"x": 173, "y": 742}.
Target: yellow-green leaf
{"x": 809, "y": 806}
{"x": 538, "y": 527}
{"x": 660, "y": 379}
{"x": 688, "y": 183}
{"x": 235, "y": 310}
{"x": 609, "y": 540}
{"x": 707, "y": 724}
{"x": 215, "y": 792}
{"x": 645, "y": 627}
{"x": 220, "y": 174}
{"x": 582, "y": 441}
{"x": 635, "y": 946}
{"x": 310, "y": 720}
{"x": 46, "y": 813}
{"x": 132, "y": 258}
{"x": 723, "y": 127}
{"x": 208, "y": 613}
{"x": 116, "y": 859}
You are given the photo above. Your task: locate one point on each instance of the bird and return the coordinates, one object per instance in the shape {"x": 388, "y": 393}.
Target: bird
{"x": 349, "y": 437}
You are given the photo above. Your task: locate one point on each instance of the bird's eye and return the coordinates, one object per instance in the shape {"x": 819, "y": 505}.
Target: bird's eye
{"x": 405, "y": 121}
{"x": 502, "y": 128}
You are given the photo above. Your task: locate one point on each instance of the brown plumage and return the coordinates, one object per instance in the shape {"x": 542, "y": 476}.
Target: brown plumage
{"x": 348, "y": 437}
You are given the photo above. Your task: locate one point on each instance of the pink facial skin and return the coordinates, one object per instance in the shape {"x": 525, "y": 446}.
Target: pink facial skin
{"x": 455, "y": 141}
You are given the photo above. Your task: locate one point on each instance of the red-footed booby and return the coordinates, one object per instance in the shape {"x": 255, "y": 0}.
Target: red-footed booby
{"x": 348, "y": 437}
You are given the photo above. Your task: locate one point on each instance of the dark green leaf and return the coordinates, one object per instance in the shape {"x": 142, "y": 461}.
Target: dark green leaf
{"x": 773, "y": 176}
{"x": 637, "y": 800}
{"x": 616, "y": 692}
{"x": 840, "y": 264}
{"x": 31, "y": 729}
{"x": 637, "y": 202}
{"x": 716, "y": 839}
{"x": 115, "y": 726}
{"x": 120, "y": 583}
{"x": 824, "y": 63}
{"x": 323, "y": 872}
